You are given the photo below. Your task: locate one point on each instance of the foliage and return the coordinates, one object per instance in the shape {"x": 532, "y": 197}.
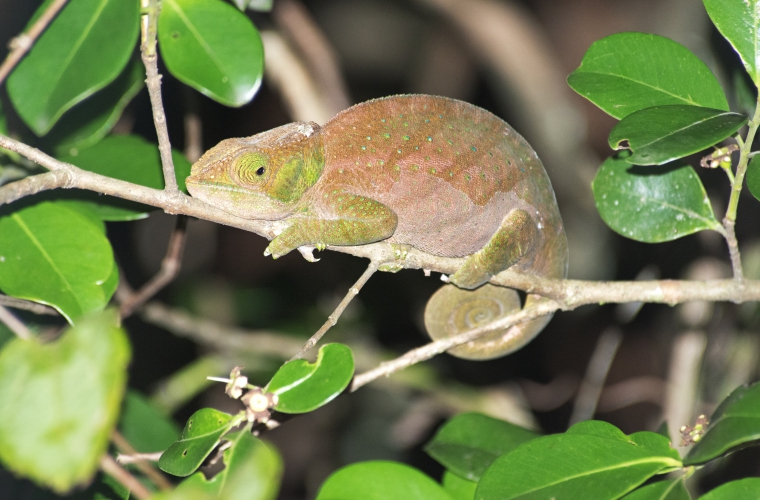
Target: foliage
{"x": 61, "y": 399}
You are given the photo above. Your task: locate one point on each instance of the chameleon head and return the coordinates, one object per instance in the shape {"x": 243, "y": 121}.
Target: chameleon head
{"x": 262, "y": 176}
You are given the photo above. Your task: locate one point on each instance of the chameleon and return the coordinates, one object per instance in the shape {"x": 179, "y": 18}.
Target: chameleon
{"x": 432, "y": 173}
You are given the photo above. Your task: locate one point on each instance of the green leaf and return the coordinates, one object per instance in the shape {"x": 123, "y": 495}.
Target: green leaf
{"x": 213, "y": 47}
{"x": 202, "y": 433}
{"x": 61, "y": 401}
{"x": 252, "y": 472}
{"x": 468, "y": 443}
{"x": 380, "y": 480}
{"x": 743, "y": 489}
{"x": 661, "y": 490}
{"x": 753, "y": 176}
{"x": 129, "y": 158}
{"x": 626, "y": 72}
{"x": 594, "y": 457}
{"x": 458, "y": 488}
{"x": 734, "y": 425}
{"x": 665, "y": 133}
{"x": 84, "y": 48}
{"x": 54, "y": 255}
{"x": 652, "y": 204}
{"x": 303, "y": 387}
{"x": 146, "y": 428}
{"x": 738, "y": 22}
{"x": 89, "y": 121}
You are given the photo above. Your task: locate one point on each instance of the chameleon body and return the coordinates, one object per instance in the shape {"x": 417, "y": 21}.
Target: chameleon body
{"x": 437, "y": 174}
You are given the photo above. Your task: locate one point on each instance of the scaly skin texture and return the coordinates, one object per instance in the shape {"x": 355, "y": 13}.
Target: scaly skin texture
{"x": 440, "y": 175}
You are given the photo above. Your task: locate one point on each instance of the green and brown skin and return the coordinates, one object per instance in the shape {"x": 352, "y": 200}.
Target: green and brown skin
{"x": 440, "y": 175}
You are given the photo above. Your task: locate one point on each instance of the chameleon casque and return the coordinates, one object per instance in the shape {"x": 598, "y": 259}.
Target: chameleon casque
{"x": 437, "y": 174}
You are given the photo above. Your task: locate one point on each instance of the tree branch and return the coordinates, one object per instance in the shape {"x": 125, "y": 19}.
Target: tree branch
{"x": 24, "y": 42}
{"x": 27, "y": 305}
{"x": 14, "y": 324}
{"x": 153, "y": 82}
{"x": 122, "y": 475}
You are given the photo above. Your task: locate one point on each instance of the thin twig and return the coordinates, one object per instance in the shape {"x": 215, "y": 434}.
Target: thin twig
{"x": 27, "y": 305}
{"x": 122, "y": 475}
{"x": 294, "y": 19}
{"x": 683, "y": 382}
{"x": 645, "y": 389}
{"x": 123, "y": 459}
{"x": 333, "y": 318}
{"x": 212, "y": 334}
{"x": 538, "y": 309}
{"x": 24, "y": 42}
{"x": 143, "y": 466}
{"x": 598, "y": 366}
{"x": 170, "y": 267}
{"x": 153, "y": 82}
{"x": 14, "y": 324}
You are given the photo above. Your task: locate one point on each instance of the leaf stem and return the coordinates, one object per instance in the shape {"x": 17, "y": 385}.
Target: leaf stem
{"x": 729, "y": 221}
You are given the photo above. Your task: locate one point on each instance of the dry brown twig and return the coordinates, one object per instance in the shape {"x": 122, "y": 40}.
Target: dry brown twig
{"x": 24, "y": 42}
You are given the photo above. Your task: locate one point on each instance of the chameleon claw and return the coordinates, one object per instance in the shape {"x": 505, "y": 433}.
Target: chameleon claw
{"x": 445, "y": 278}
{"x": 307, "y": 252}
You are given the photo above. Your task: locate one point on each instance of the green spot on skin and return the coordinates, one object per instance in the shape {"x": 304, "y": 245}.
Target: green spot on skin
{"x": 382, "y": 120}
{"x": 406, "y": 137}
{"x": 387, "y": 135}
{"x": 369, "y": 137}
{"x": 450, "y": 142}
{"x": 416, "y": 148}
{"x": 364, "y": 148}
{"x": 473, "y": 148}
{"x": 451, "y": 127}
{"x": 438, "y": 149}
{"x": 406, "y": 124}
{"x": 467, "y": 177}
{"x": 440, "y": 116}
{"x": 400, "y": 116}
{"x": 381, "y": 162}
{"x": 429, "y": 139}
{"x": 509, "y": 162}
{"x": 451, "y": 174}
{"x": 415, "y": 167}
{"x": 433, "y": 171}
{"x": 490, "y": 153}
{"x": 427, "y": 158}
{"x": 340, "y": 171}
{"x": 483, "y": 175}
{"x": 398, "y": 151}
{"x": 396, "y": 168}
{"x": 426, "y": 120}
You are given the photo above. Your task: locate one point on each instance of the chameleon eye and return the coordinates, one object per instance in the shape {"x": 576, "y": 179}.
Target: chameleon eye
{"x": 249, "y": 169}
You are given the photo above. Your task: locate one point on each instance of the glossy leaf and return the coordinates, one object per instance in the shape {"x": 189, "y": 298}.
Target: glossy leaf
{"x": 652, "y": 204}
{"x": 89, "y": 121}
{"x": 665, "y": 133}
{"x": 213, "y": 47}
{"x": 54, "y": 255}
{"x": 739, "y": 21}
{"x": 252, "y": 472}
{"x": 468, "y": 443}
{"x": 735, "y": 424}
{"x": 595, "y": 456}
{"x": 302, "y": 386}
{"x": 380, "y": 480}
{"x": 85, "y": 47}
{"x": 61, "y": 401}
{"x": 129, "y": 158}
{"x": 743, "y": 489}
{"x": 753, "y": 176}
{"x": 661, "y": 490}
{"x": 202, "y": 433}
{"x": 627, "y": 72}
{"x": 144, "y": 426}
{"x": 458, "y": 488}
